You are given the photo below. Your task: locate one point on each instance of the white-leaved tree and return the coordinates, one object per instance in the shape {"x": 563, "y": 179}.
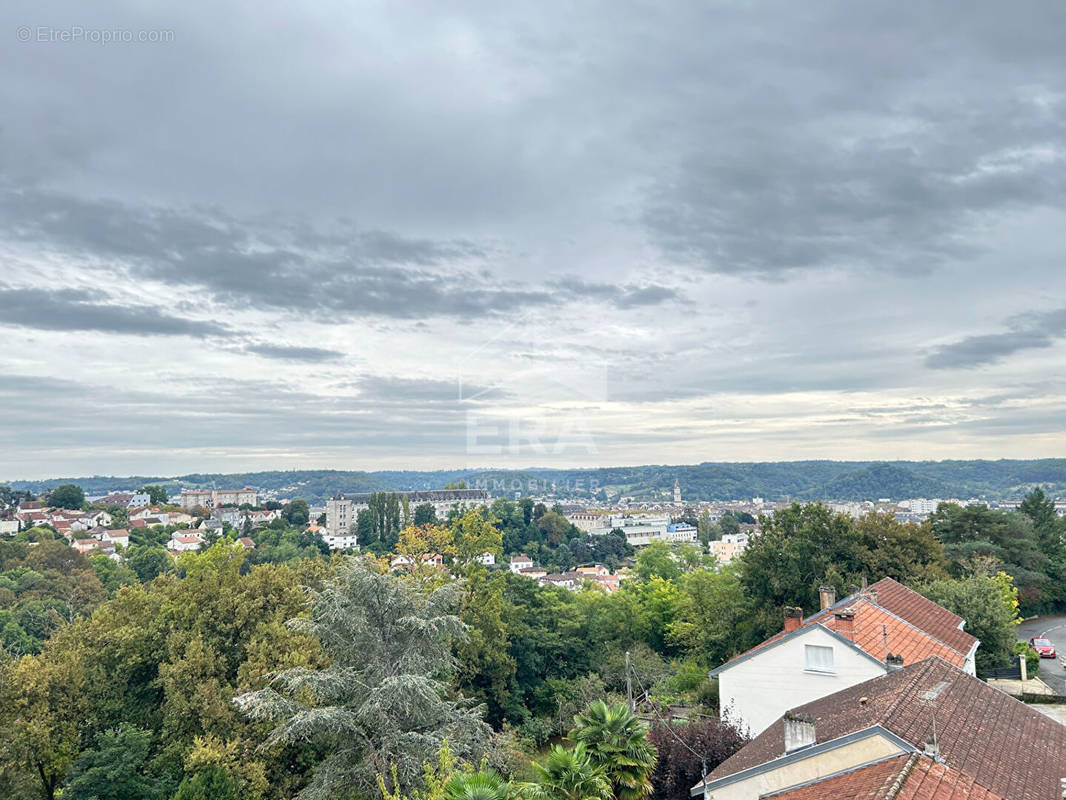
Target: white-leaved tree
{"x": 383, "y": 701}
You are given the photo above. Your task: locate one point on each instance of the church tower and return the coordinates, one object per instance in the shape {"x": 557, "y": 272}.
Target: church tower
{"x": 677, "y": 490}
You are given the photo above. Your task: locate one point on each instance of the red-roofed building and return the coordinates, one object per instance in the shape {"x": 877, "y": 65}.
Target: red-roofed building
{"x": 861, "y": 637}
{"x": 878, "y": 741}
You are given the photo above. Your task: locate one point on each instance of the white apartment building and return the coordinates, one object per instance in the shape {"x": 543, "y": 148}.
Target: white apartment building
{"x": 347, "y": 541}
{"x": 342, "y": 510}
{"x": 921, "y": 505}
{"x": 643, "y": 529}
{"x": 213, "y": 498}
{"x": 729, "y": 547}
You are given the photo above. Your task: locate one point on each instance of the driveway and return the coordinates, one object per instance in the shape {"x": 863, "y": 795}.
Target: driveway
{"x": 1053, "y": 628}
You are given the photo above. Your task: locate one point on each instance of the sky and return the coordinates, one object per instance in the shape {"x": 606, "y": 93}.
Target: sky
{"x": 359, "y": 235}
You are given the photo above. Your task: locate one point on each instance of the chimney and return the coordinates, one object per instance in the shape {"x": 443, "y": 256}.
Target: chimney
{"x": 932, "y": 749}
{"x": 894, "y": 663}
{"x": 793, "y": 618}
{"x": 873, "y": 596}
{"x": 799, "y": 731}
{"x": 827, "y": 596}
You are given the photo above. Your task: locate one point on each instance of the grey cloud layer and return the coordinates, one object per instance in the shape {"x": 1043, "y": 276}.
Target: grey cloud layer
{"x": 81, "y": 310}
{"x": 341, "y": 272}
{"x": 1027, "y": 332}
{"x": 702, "y": 200}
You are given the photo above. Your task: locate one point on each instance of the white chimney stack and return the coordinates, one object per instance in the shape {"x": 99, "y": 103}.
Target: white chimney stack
{"x": 799, "y": 731}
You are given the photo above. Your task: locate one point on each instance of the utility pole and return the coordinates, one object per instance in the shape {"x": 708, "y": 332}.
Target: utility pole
{"x": 629, "y": 684}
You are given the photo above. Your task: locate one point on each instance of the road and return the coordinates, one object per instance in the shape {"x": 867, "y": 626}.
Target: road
{"x": 1053, "y": 628}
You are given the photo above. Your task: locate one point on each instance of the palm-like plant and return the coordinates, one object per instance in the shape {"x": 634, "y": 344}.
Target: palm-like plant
{"x": 568, "y": 775}
{"x": 617, "y": 742}
{"x": 481, "y": 785}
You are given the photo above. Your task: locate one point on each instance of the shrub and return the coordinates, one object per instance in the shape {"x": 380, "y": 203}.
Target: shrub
{"x": 678, "y": 770}
{"x": 1032, "y": 658}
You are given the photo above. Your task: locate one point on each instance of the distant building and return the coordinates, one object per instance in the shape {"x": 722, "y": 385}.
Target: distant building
{"x": 344, "y": 541}
{"x": 729, "y": 547}
{"x": 123, "y": 499}
{"x": 342, "y": 510}
{"x": 213, "y": 498}
{"x": 644, "y": 529}
{"x": 677, "y": 490}
{"x": 184, "y": 543}
{"x": 521, "y": 562}
{"x": 920, "y": 505}
{"x": 585, "y": 521}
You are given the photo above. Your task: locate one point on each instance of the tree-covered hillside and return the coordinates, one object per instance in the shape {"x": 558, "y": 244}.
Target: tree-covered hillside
{"x": 782, "y": 480}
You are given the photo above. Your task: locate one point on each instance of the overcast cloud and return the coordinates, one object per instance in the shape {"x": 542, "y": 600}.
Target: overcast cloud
{"x": 474, "y": 234}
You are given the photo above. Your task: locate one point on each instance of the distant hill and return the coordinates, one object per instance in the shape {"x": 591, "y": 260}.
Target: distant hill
{"x": 887, "y": 480}
{"x": 781, "y": 480}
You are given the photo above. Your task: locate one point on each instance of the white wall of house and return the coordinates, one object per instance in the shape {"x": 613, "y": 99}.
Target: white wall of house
{"x": 342, "y": 542}
{"x": 818, "y": 765}
{"x": 758, "y": 690}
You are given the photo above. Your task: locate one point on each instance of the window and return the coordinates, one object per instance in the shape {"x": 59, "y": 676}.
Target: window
{"x": 818, "y": 658}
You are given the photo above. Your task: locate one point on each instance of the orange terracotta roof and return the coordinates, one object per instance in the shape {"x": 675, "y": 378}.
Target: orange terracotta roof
{"x": 900, "y": 621}
{"x": 879, "y": 633}
{"x": 923, "y": 613}
{"x": 1000, "y": 744}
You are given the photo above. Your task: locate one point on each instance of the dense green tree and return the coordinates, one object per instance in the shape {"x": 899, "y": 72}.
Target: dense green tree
{"x": 902, "y": 551}
{"x": 67, "y": 496}
{"x": 147, "y": 561}
{"x": 989, "y": 604}
{"x": 799, "y": 548}
{"x": 425, "y": 514}
{"x": 113, "y": 574}
{"x": 379, "y": 703}
{"x": 713, "y": 618}
{"x": 1050, "y": 531}
{"x": 555, "y": 527}
{"x": 981, "y": 541}
{"x": 366, "y": 527}
{"x": 617, "y": 742}
{"x": 657, "y": 559}
{"x": 116, "y": 769}
{"x": 296, "y": 513}
{"x": 157, "y": 495}
{"x": 706, "y": 530}
{"x": 211, "y": 783}
{"x": 729, "y": 524}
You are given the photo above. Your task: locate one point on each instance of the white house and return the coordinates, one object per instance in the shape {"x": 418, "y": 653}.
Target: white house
{"x": 9, "y": 527}
{"x": 182, "y": 543}
{"x": 342, "y": 542}
{"x": 521, "y": 562}
{"x": 117, "y": 536}
{"x": 863, "y": 636}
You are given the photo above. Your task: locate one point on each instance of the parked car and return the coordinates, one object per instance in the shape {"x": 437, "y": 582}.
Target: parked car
{"x": 1043, "y": 646}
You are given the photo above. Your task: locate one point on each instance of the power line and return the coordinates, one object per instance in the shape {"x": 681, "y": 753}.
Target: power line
{"x": 669, "y": 728}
